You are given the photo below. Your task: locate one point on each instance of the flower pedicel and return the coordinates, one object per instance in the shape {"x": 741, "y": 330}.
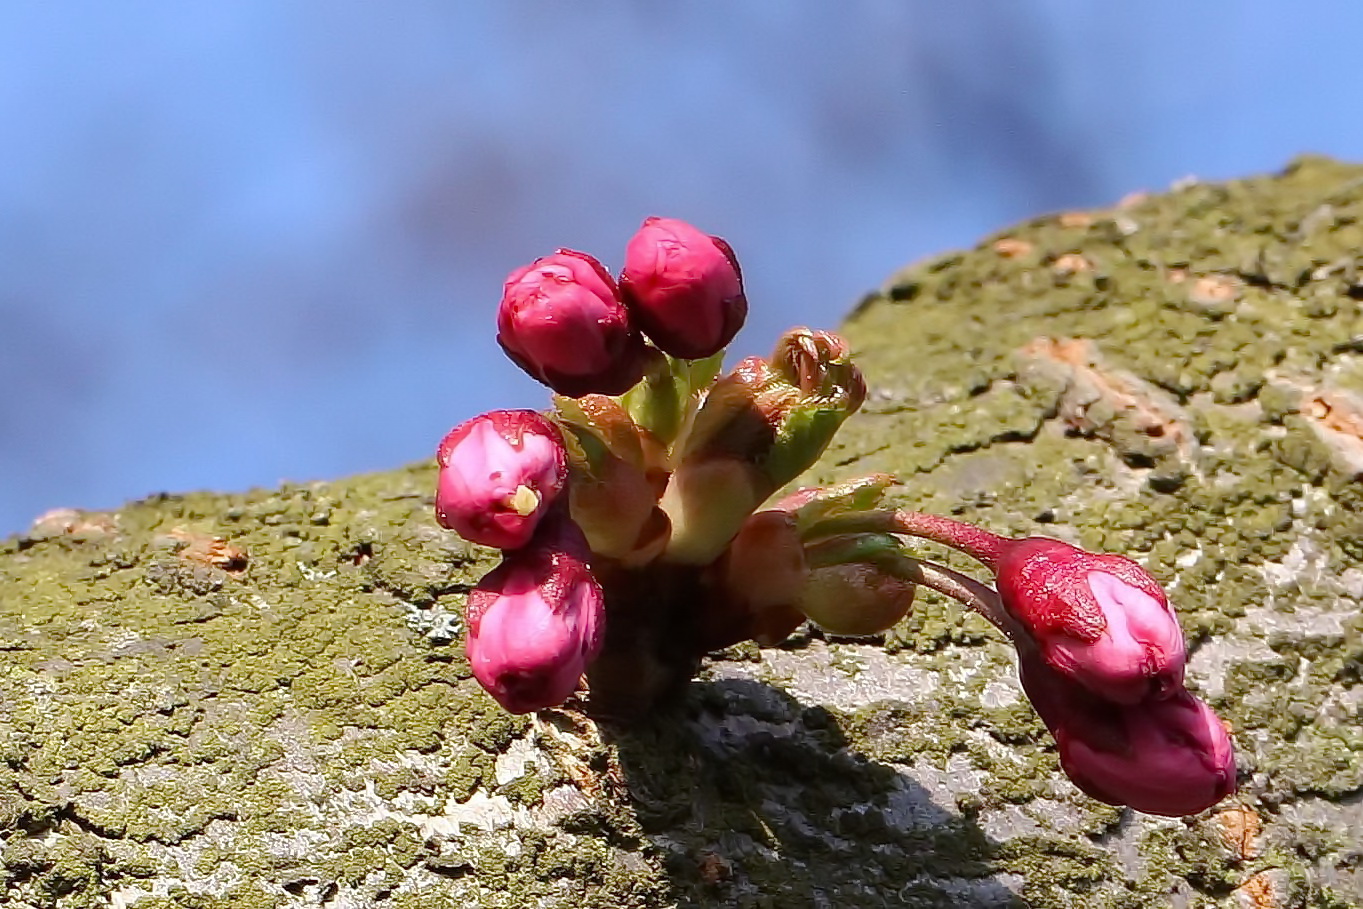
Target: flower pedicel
{"x": 637, "y": 534}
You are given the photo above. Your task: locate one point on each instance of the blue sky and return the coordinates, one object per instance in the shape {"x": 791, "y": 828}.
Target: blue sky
{"x": 248, "y": 242}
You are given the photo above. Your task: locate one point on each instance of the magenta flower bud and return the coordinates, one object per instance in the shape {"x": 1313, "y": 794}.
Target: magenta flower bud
{"x": 1169, "y": 756}
{"x": 562, "y": 321}
{"x": 499, "y": 473}
{"x": 683, "y": 288}
{"x": 536, "y": 620}
{"x": 1100, "y": 619}
{"x": 1174, "y": 757}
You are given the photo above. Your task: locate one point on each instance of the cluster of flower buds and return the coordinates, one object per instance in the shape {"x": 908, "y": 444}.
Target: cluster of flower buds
{"x": 639, "y": 527}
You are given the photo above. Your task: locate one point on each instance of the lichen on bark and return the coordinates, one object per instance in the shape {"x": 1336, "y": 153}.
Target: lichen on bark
{"x": 261, "y": 699}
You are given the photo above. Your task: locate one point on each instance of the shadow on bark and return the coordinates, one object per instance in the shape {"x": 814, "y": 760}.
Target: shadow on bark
{"x": 757, "y": 800}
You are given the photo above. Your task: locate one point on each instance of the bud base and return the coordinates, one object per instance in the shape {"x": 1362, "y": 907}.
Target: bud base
{"x": 652, "y": 646}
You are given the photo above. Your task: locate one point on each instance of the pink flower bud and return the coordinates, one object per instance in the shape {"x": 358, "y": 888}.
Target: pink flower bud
{"x": 1175, "y": 758}
{"x": 536, "y": 620}
{"x": 1100, "y": 619}
{"x": 499, "y": 473}
{"x": 1169, "y": 756}
{"x": 683, "y": 287}
{"x": 561, "y": 320}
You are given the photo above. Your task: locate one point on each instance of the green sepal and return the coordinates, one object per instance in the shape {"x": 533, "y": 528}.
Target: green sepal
{"x": 811, "y": 506}
{"x": 665, "y": 401}
{"x": 880, "y": 549}
{"x": 801, "y": 436}
{"x": 607, "y": 420}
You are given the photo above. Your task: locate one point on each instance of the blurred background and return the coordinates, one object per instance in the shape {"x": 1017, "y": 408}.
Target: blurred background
{"x": 255, "y": 241}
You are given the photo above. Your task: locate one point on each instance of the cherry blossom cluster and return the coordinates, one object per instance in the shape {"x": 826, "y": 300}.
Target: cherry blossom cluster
{"x": 641, "y": 527}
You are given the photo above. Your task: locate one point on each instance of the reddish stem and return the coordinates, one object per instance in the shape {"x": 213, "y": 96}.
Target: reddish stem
{"x": 976, "y": 542}
{"x": 965, "y": 590}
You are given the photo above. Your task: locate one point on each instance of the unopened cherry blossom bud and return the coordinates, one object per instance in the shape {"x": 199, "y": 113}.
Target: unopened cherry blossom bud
{"x": 562, "y": 321}
{"x": 1100, "y": 619}
{"x": 499, "y": 473}
{"x": 1175, "y": 758}
{"x": 536, "y": 621}
{"x": 1169, "y": 756}
{"x": 683, "y": 288}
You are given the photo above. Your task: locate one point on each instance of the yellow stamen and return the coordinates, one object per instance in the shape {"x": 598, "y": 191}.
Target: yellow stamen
{"x": 524, "y": 501}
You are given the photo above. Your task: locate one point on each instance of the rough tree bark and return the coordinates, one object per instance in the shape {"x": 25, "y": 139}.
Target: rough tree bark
{"x": 261, "y": 700}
